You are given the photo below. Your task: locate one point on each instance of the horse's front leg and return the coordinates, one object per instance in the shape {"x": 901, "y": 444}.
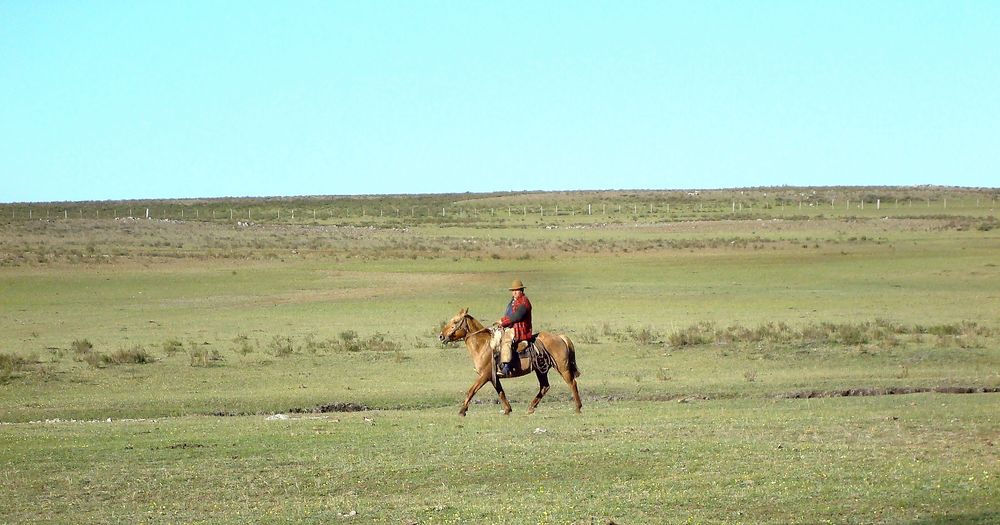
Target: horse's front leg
{"x": 480, "y": 381}
{"x": 543, "y": 387}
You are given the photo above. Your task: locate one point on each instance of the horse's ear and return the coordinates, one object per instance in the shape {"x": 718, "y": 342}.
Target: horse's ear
{"x": 464, "y": 311}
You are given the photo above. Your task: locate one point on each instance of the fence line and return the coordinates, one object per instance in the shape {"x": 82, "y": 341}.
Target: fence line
{"x": 742, "y": 207}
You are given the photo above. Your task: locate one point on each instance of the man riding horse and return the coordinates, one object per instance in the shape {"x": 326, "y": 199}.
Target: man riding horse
{"x": 518, "y": 316}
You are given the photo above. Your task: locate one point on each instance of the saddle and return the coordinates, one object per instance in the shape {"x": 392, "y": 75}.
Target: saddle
{"x": 531, "y": 353}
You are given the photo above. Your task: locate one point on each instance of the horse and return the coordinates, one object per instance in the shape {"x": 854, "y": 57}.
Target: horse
{"x": 477, "y": 340}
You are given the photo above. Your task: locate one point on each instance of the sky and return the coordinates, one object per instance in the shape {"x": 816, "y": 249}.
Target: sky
{"x": 110, "y": 100}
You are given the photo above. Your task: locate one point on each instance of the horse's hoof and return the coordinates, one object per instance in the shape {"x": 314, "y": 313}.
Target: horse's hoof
{"x": 461, "y": 413}
{"x": 531, "y": 410}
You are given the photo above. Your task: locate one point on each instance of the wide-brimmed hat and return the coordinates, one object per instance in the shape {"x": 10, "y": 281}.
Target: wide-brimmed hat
{"x": 516, "y": 285}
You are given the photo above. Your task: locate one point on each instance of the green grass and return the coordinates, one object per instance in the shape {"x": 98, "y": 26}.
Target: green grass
{"x": 929, "y": 459}
{"x": 691, "y": 337}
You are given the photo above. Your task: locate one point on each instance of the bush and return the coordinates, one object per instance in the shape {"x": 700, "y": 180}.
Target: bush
{"x": 172, "y": 346}
{"x": 135, "y": 355}
{"x": 202, "y": 356}
{"x": 643, "y": 336}
{"x": 10, "y": 364}
{"x": 699, "y": 334}
{"x": 243, "y": 346}
{"x": 94, "y": 359}
{"x": 380, "y": 343}
{"x": 281, "y": 346}
{"x": 589, "y": 335}
{"x": 81, "y": 346}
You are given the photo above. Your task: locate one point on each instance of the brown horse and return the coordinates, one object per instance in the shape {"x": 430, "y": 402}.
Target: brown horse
{"x": 477, "y": 339}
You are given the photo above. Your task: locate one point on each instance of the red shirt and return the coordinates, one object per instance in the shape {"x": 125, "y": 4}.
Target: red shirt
{"x": 519, "y": 316}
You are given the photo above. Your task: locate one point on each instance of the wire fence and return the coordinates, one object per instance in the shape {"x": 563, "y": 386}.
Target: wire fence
{"x": 457, "y": 212}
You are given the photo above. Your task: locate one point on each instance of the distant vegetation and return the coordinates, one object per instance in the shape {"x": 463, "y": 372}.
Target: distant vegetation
{"x": 382, "y": 227}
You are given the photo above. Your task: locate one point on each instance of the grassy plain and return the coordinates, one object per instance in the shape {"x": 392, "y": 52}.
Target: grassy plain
{"x": 694, "y": 336}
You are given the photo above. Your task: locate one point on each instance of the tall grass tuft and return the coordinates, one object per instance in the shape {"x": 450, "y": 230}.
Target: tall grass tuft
{"x": 281, "y": 346}
{"x": 589, "y": 335}
{"x": 11, "y": 364}
{"x": 81, "y": 346}
{"x": 243, "y": 346}
{"x": 172, "y": 346}
{"x": 136, "y": 355}
{"x": 697, "y": 334}
{"x": 202, "y": 355}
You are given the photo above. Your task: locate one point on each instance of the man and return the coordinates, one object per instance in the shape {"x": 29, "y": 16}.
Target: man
{"x": 518, "y": 316}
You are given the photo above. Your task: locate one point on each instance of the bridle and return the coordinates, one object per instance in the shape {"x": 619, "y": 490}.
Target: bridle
{"x": 464, "y": 323}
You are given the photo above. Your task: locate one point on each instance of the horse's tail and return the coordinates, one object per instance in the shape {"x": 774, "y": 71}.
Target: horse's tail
{"x": 570, "y": 355}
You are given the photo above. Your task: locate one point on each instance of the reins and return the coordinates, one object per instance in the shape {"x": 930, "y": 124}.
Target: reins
{"x": 464, "y": 323}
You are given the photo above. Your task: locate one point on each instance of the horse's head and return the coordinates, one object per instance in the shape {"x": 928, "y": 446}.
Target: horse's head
{"x": 458, "y": 327}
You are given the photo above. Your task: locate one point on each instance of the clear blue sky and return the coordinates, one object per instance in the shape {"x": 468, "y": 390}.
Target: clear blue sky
{"x": 115, "y": 100}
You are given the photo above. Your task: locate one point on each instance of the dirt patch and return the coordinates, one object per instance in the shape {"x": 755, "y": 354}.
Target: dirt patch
{"x": 330, "y": 407}
{"x": 858, "y": 392}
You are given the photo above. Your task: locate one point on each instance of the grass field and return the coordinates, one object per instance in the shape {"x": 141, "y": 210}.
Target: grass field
{"x": 140, "y": 360}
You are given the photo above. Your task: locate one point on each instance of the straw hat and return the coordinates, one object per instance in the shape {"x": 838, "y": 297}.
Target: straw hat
{"x": 516, "y": 285}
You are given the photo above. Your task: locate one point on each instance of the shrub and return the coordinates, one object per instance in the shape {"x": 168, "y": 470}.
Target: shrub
{"x": 697, "y": 334}
{"x": 311, "y": 345}
{"x": 281, "y": 346}
{"x": 589, "y": 335}
{"x": 380, "y": 343}
{"x": 172, "y": 346}
{"x": 243, "y": 346}
{"x": 643, "y": 336}
{"x": 350, "y": 342}
{"x": 94, "y": 359}
{"x": 850, "y": 334}
{"x": 202, "y": 356}
{"x": 135, "y": 355}
{"x": 81, "y": 346}
{"x": 10, "y": 364}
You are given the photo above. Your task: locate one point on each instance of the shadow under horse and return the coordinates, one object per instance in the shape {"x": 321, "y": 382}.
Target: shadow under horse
{"x": 464, "y": 327}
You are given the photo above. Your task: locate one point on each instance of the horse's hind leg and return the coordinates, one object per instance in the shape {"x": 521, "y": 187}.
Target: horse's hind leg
{"x": 568, "y": 376}
{"x": 543, "y": 387}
